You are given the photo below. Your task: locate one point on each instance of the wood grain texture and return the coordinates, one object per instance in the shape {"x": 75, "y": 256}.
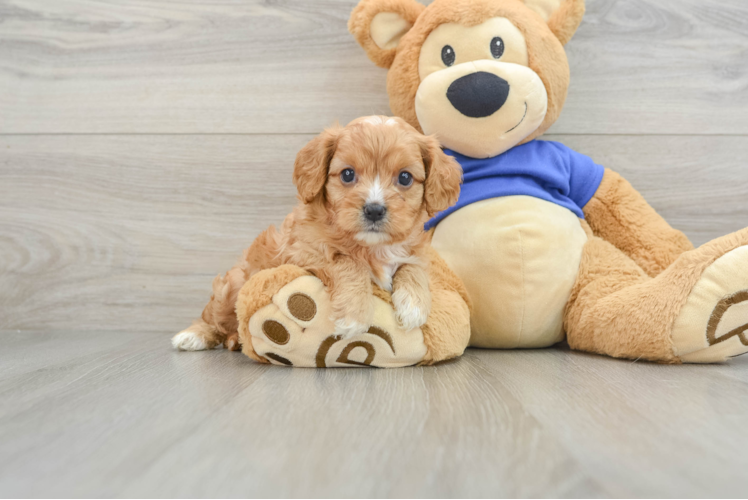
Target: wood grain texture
{"x": 251, "y": 66}
{"x": 122, "y": 415}
{"x": 143, "y": 145}
{"x": 112, "y": 232}
{"x": 122, "y": 229}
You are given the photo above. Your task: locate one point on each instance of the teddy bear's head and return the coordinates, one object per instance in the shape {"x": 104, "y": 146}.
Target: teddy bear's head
{"x": 483, "y": 75}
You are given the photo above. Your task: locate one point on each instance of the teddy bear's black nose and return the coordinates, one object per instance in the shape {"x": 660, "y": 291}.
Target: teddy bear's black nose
{"x": 478, "y": 95}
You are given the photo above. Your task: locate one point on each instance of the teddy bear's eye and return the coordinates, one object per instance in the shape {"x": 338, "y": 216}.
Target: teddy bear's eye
{"x": 448, "y": 55}
{"x": 497, "y": 47}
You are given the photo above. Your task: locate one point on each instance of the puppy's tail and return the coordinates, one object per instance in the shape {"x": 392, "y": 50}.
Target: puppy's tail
{"x": 199, "y": 337}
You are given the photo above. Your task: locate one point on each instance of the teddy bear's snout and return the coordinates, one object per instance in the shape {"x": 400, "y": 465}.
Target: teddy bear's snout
{"x": 478, "y": 95}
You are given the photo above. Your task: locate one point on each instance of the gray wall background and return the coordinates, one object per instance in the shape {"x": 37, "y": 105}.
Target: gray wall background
{"x": 143, "y": 145}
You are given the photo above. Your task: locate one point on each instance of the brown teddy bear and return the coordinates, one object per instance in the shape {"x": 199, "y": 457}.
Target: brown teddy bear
{"x": 548, "y": 244}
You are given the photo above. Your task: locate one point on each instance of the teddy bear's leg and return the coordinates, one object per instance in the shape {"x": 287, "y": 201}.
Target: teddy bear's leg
{"x": 258, "y": 294}
{"x": 694, "y": 311}
{"x": 285, "y": 315}
{"x": 620, "y": 215}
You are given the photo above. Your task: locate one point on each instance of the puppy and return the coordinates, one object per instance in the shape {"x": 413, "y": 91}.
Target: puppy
{"x": 365, "y": 192}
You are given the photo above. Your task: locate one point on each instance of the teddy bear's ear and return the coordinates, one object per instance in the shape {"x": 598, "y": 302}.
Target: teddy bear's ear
{"x": 563, "y": 16}
{"x": 378, "y": 26}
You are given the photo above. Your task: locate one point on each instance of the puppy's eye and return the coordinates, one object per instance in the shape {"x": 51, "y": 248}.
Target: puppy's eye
{"x": 497, "y": 47}
{"x": 348, "y": 175}
{"x": 405, "y": 179}
{"x": 448, "y": 55}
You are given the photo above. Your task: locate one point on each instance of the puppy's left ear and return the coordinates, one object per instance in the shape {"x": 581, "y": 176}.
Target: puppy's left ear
{"x": 443, "y": 177}
{"x": 313, "y": 162}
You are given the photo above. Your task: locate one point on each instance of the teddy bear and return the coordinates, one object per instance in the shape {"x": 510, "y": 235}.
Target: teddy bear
{"x": 549, "y": 245}
{"x": 544, "y": 245}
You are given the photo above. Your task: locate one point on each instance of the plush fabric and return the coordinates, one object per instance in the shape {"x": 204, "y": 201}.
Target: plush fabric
{"x": 618, "y": 310}
{"x": 360, "y": 23}
{"x": 546, "y": 54}
{"x": 295, "y": 330}
{"x": 284, "y": 319}
{"x": 726, "y": 332}
{"x": 519, "y": 258}
{"x": 613, "y": 278}
{"x": 542, "y": 169}
{"x": 620, "y": 215}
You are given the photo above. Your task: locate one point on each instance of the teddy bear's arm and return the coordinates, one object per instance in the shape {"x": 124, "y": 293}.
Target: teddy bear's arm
{"x": 620, "y": 215}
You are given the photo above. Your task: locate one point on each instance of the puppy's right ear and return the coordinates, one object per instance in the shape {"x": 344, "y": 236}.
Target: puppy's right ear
{"x": 313, "y": 162}
{"x": 378, "y": 26}
{"x": 443, "y": 177}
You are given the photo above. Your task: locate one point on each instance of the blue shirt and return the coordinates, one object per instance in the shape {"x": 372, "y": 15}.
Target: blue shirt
{"x": 544, "y": 169}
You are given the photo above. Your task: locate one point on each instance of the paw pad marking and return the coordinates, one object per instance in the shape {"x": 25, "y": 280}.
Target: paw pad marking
{"x": 302, "y": 307}
{"x": 276, "y": 332}
{"x": 345, "y": 355}
{"x": 371, "y": 352}
{"x": 375, "y": 330}
{"x": 324, "y": 347}
{"x": 279, "y": 359}
{"x": 722, "y": 307}
{"x": 295, "y": 329}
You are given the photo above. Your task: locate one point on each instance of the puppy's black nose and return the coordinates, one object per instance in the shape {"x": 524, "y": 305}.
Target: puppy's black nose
{"x": 478, "y": 95}
{"x": 374, "y": 212}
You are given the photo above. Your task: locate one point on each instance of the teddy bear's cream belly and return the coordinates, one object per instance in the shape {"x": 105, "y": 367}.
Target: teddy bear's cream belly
{"x": 519, "y": 259}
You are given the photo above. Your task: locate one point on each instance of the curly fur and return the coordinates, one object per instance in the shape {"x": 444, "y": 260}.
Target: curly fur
{"x": 327, "y": 235}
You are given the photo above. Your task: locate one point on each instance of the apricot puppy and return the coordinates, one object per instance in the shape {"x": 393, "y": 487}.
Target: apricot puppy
{"x": 365, "y": 192}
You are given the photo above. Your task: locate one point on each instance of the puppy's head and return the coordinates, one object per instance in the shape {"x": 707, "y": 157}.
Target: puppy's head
{"x": 377, "y": 180}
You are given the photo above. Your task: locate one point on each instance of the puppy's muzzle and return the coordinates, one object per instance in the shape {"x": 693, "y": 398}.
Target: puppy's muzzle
{"x": 374, "y": 212}
{"x": 478, "y": 95}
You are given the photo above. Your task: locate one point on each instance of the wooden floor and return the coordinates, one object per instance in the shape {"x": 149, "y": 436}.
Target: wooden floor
{"x": 144, "y": 144}
{"x": 120, "y": 414}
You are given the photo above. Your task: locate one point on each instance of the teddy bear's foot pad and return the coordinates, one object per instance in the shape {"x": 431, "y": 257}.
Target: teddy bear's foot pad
{"x": 296, "y": 330}
{"x": 713, "y": 324}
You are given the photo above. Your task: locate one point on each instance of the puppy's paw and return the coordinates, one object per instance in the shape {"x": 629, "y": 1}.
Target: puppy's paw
{"x": 189, "y": 340}
{"x": 232, "y": 342}
{"x": 412, "y": 311}
{"x": 346, "y": 328}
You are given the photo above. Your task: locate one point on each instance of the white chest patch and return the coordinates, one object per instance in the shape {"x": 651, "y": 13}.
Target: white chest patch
{"x": 393, "y": 256}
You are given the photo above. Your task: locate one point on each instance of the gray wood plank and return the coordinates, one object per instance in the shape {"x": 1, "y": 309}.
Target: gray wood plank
{"x": 659, "y": 67}
{"x": 115, "y": 226}
{"x": 120, "y": 414}
{"x": 248, "y": 66}
{"x": 112, "y": 232}
{"x": 643, "y": 430}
